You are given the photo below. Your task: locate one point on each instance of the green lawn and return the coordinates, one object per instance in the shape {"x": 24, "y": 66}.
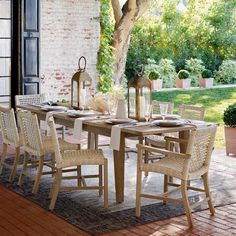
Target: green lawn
{"x": 215, "y": 100}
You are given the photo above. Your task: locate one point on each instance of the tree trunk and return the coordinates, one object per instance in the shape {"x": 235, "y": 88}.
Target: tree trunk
{"x": 132, "y": 11}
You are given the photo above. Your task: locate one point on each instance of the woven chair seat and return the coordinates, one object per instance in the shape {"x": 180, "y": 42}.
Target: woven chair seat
{"x": 156, "y": 141}
{"x": 81, "y": 157}
{"x": 172, "y": 166}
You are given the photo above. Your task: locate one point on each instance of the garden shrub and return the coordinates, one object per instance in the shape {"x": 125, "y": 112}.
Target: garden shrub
{"x": 227, "y": 72}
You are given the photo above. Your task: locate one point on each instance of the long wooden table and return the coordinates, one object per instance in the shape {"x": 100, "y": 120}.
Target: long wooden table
{"x": 98, "y": 126}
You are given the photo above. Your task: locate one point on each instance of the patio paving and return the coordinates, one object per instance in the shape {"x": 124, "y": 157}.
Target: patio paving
{"x": 222, "y": 224}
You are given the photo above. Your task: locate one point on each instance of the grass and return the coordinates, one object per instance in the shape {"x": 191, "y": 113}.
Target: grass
{"x": 215, "y": 100}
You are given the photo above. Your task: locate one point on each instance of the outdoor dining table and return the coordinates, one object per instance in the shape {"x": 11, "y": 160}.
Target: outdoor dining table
{"x": 98, "y": 126}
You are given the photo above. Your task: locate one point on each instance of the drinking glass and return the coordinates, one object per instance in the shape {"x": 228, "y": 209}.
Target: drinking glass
{"x": 148, "y": 112}
{"x": 163, "y": 110}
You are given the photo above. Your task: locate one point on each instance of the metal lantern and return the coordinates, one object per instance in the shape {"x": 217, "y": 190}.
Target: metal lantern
{"x": 80, "y": 83}
{"x": 139, "y": 96}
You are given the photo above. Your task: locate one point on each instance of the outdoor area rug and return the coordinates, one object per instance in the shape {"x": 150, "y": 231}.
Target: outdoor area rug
{"x": 85, "y": 210}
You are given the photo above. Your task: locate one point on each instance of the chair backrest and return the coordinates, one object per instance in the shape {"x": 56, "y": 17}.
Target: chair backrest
{"x": 29, "y": 99}
{"x": 56, "y": 145}
{"x": 156, "y": 107}
{"x": 202, "y": 148}
{"x": 31, "y": 136}
{"x": 8, "y": 126}
{"x": 191, "y": 112}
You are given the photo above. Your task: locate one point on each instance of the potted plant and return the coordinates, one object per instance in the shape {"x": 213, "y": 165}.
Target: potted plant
{"x": 229, "y": 119}
{"x": 156, "y": 80}
{"x": 152, "y": 72}
{"x": 206, "y": 81}
{"x": 183, "y": 80}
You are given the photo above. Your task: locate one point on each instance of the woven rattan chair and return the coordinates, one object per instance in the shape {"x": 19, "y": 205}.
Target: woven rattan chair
{"x": 191, "y": 112}
{"x": 156, "y": 107}
{"x": 36, "y": 148}
{"x": 77, "y": 158}
{"x": 191, "y": 165}
{"x": 11, "y": 137}
{"x": 156, "y": 140}
{"x": 37, "y": 99}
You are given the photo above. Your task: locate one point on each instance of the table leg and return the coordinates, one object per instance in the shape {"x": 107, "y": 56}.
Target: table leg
{"x": 92, "y": 140}
{"x": 184, "y": 135}
{"x": 119, "y": 168}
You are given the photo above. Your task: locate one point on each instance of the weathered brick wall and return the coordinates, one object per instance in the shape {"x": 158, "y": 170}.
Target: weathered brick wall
{"x": 69, "y": 29}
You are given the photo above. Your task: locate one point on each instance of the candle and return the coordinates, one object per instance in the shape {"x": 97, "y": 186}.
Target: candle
{"x": 82, "y": 98}
{"x": 142, "y": 106}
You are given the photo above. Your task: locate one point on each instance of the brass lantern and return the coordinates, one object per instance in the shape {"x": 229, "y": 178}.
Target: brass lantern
{"x": 139, "y": 96}
{"x": 80, "y": 83}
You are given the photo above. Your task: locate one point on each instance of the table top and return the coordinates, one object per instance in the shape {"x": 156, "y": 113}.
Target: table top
{"x": 99, "y": 122}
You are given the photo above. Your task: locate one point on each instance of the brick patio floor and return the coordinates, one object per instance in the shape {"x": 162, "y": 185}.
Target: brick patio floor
{"x": 19, "y": 216}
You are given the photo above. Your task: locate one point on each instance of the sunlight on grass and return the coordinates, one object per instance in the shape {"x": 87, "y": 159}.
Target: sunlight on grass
{"x": 215, "y": 100}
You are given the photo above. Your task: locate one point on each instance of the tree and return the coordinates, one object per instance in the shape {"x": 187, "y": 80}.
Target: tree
{"x": 125, "y": 19}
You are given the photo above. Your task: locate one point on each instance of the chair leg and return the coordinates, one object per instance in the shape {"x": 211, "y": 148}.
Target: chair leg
{"x": 146, "y": 158}
{"x": 100, "y": 179}
{"x": 63, "y": 132}
{"x": 138, "y": 192}
{"x": 38, "y": 176}
{"x": 57, "y": 184}
{"x": 15, "y": 164}
{"x": 53, "y": 164}
{"x": 184, "y": 192}
{"x": 78, "y": 176}
{"x": 208, "y": 195}
{"x": 105, "y": 184}
{"x": 4, "y": 155}
{"x": 166, "y": 180}
{"x": 26, "y": 157}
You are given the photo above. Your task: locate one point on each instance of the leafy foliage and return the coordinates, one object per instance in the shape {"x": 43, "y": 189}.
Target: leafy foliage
{"x": 195, "y": 66}
{"x": 229, "y": 116}
{"x": 183, "y": 74}
{"x": 105, "y": 56}
{"x": 154, "y": 75}
{"x": 227, "y": 72}
{"x": 167, "y": 72}
{"x": 204, "y": 30}
{"x": 206, "y": 74}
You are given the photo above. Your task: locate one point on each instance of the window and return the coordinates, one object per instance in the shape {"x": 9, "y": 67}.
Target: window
{"x": 5, "y": 49}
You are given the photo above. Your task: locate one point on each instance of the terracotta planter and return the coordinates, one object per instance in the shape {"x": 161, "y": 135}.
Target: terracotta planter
{"x": 230, "y": 140}
{"x": 206, "y": 82}
{"x": 183, "y": 83}
{"x": 157, "y": 84}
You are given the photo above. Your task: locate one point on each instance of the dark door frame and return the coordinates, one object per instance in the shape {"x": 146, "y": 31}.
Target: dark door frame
{"x": 18, "y": 81}
{"x": 15, "y": 52}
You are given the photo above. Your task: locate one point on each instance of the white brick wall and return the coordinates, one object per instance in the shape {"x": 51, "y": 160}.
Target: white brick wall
{"x": 69, "y": 29}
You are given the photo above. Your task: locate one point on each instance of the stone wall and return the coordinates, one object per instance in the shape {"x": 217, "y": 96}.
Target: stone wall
{"x": 69, "y": 29}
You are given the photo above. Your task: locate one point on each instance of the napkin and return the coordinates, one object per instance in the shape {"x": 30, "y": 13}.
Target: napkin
{"x": 77, "y": 132}
{"x": 115, "y": 137}
{"x": 44, "y": 124}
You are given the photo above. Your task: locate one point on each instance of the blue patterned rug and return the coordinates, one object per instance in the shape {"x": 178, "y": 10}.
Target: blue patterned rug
{"x": 84, "y": 209}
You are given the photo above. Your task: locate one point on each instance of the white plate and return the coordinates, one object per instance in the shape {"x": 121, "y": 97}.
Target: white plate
{"x": 169, "y": 123}
{"x": 53, "y": 108}
{"x": 167, "y": 117}
{"x": 120, "y": 121}
{"x": 83, "y": 113}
